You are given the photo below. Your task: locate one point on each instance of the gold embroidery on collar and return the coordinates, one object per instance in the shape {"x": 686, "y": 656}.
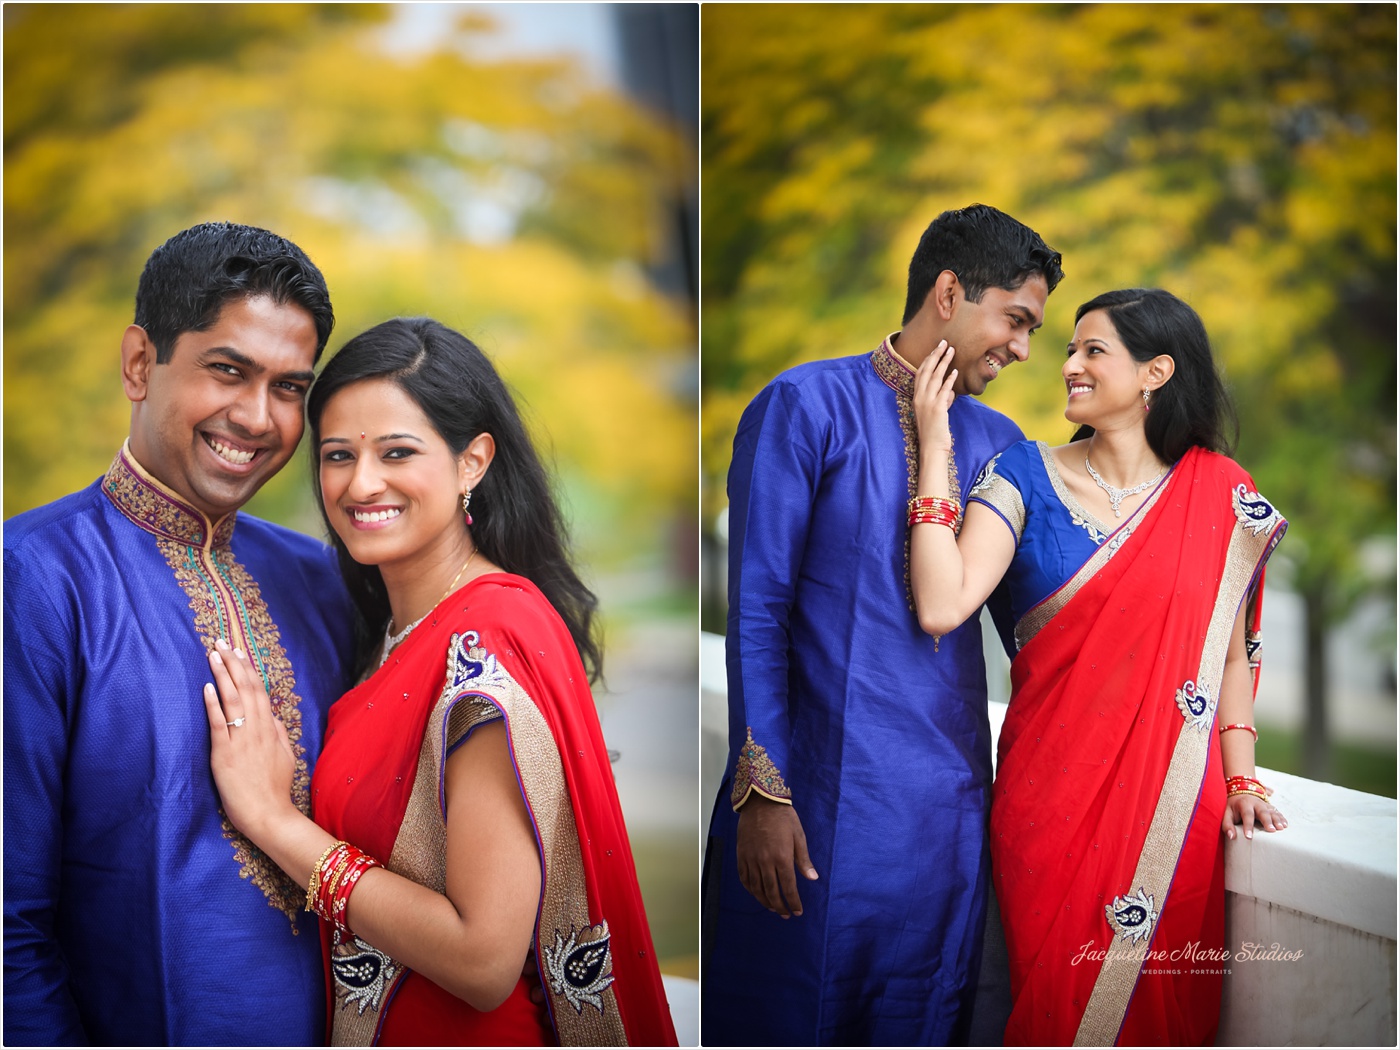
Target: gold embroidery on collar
{"x": 896, "y": 374}
{"x": 227, "y": 603}
{"x": 152, "y": 506}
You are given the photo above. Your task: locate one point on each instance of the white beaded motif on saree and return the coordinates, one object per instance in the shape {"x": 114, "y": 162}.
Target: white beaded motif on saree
{"x": 1132, "y": 917}
{"x": 580, "y": 969}
{"x": 1254, "y": 512}
{"x": 1196, "y": 706}
{"x": 362, "y": 977}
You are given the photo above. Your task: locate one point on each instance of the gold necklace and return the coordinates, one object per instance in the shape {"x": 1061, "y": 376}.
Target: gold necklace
{"x": 391, "y": 641}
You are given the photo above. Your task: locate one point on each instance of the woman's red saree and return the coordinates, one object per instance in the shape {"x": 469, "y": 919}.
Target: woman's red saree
{"x": 493, "y": 649}
{"x": 1109, "y": 794}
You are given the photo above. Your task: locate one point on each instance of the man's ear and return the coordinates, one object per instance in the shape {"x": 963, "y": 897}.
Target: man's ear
{"x": 944, "y": 296}
{"x": 138, "y": 358}
{"x": 473, "y": 461}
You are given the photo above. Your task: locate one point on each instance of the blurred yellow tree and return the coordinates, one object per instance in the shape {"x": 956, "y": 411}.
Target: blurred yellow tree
{"x": 1241, "y": 156}
{"x": 515, "y": 200}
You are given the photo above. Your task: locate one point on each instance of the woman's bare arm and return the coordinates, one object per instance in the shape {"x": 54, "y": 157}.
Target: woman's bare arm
{"x": 473, "y": 941}
{"x": 1236, "y": 745}
{"x": 950, "y": 576}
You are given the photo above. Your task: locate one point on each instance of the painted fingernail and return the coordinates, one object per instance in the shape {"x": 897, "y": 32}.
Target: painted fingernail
{"x": 239, "y": 653}
{"x": 216, "y": 658}
{"x": 221, "y": 644}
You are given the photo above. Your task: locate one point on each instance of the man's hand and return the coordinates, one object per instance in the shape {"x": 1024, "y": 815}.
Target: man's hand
{"x": 769, "y": 843}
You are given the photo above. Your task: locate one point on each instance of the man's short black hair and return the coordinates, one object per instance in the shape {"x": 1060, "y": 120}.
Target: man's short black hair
{"x": 189, "y": 279}
{"x": 986, "y": 248}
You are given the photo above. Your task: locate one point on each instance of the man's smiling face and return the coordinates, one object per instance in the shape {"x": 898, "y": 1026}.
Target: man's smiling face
{"x": 991, "y": 334}
{"x": 225, "y": 413}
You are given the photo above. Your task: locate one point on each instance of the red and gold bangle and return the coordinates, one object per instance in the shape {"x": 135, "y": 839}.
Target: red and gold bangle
{"x": 1241, "y": 785}
{"x": 1240, "y": 791}
{"x": 323, "y": 867}
{"x": 1241, "y": 725}
{"x": 335, "y": 887}
{"x": 934, "y": 510}
{"x": 340, "y": 905}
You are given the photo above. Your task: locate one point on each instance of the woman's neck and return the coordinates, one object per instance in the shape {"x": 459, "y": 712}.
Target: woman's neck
{"x": 415, "y": 585}
{"x": 1122, "y": 457}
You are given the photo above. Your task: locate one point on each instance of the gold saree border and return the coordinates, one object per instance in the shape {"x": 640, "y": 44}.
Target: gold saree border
{"x": 1113, "y": 989}
{"x": 419, "y": 853}
{"x": 477, "y": 690}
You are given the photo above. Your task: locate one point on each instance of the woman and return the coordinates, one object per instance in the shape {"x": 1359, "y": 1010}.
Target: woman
{"x": 1134, "y": 557}
{"x": 465, "y": 813}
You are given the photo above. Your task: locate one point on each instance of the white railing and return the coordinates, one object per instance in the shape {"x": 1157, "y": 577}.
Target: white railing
{"x": 1317, "y": 901}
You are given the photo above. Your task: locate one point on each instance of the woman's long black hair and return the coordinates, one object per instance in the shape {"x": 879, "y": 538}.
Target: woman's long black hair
{"x": 1192, "y": 407}
{"x": 517, "y": 523}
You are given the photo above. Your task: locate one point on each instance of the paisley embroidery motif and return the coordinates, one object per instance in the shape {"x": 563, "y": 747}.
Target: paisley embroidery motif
{"x": 361, "y": 971}
{"x": 1196, "y": 706}
{"x": 1132, "y": 917}
{"x": 467, "y": 661}
{"x": 1255, "y": 513}
{"x": 1253, "y": 646}
{"x": 580, "y": 969}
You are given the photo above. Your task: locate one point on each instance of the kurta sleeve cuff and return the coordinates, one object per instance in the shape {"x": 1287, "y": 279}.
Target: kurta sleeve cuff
{"x": 755, "y": 772}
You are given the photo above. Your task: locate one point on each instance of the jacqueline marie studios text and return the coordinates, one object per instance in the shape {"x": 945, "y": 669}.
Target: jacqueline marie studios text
{"x": 1193, "y": 953}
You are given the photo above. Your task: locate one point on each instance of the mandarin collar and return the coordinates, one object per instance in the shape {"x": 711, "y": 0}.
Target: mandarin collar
{"x": 897, "y": 373}
{"x": 155, "y": 508}
{"x": 893, "y": 370}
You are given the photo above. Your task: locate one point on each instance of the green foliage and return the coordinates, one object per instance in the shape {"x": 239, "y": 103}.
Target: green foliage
{"x": 513, "y": 200}
{"x": 1360, "y": 768}
{"x": 1241, "y": 156}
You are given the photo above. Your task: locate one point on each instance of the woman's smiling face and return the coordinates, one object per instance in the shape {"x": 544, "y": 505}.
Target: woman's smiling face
{"x": 390, "y": 484}
{"x": 1102, "y": 379}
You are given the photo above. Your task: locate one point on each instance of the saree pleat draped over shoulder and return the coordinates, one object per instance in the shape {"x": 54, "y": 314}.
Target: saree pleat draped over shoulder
{"x": 1108, "y": 857}
{"x": 493, "y": 650}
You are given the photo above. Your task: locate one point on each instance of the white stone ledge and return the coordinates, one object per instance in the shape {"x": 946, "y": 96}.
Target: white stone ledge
{"x": 683, "y": 997}
{"x": 1336, "y": 860}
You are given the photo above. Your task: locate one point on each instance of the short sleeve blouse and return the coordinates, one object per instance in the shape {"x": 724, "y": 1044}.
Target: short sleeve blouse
{"x": 1054, "y": 534}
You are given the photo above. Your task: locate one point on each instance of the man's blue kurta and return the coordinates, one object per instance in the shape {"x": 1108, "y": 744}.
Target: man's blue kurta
{"x": 134, "y": 913}
{"x": 838, "y": 699}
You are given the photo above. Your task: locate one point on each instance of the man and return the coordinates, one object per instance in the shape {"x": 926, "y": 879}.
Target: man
{"x": 134, "y": 912}
{"x": 859, "y": 746}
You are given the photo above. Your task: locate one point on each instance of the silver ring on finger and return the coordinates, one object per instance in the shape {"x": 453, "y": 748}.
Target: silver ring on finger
{"x": 237, "y": 722}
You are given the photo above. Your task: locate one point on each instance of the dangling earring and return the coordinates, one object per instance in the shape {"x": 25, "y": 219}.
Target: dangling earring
{"x": 466, "y": 505}
{"x": 1146, "y": 404}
